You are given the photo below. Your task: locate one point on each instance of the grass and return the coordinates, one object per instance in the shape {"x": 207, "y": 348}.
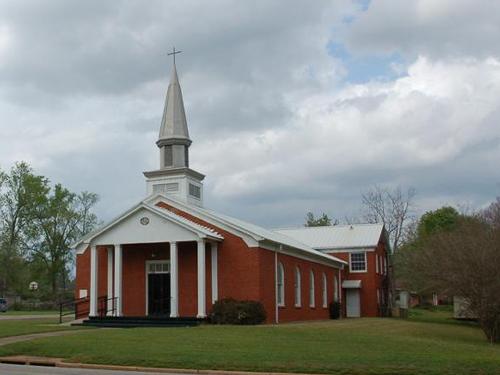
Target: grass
{"x": 30, "y": 312}
{"x": 350, "y": 346}
{"x": 27, "y": 326}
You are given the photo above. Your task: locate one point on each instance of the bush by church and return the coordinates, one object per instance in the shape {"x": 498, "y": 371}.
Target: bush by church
{"x": 231, "y": 311}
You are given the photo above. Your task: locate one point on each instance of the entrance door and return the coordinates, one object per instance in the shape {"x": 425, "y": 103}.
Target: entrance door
{"x": 158, "y": 284}
{"x": 352, "y": 303}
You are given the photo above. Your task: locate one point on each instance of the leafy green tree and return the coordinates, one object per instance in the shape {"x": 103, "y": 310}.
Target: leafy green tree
{"x": 312, "y": 221}
{"x": 443, "y": 219}
{"x": 58, "y": 220}
{"x": 20, "y": 190}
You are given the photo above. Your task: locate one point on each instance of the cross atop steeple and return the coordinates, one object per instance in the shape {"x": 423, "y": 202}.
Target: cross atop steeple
{"x": 173, "y": 53}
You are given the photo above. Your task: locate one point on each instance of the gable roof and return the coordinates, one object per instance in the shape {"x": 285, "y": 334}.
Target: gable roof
{"x": 336, "y": 237}
{"x": 258, "y": 234}
{"x": 201, "y": 230}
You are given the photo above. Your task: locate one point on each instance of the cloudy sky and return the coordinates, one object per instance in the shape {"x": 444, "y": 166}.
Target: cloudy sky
{"x": 293, "y": 106}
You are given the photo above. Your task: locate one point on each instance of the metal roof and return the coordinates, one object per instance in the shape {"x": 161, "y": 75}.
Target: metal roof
{"x": 173, "y": 123}
{"x": 253, "y": 230}
{"x": 336, "y": 236}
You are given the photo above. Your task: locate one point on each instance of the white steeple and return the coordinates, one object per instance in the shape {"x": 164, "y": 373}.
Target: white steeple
{"x": 174, "y": 177}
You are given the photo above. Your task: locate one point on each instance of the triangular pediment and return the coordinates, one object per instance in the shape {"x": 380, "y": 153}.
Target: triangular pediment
{"x": 146, "y": 224}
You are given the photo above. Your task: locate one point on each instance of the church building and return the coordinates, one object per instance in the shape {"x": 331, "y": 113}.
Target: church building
{"x": 170, "y": 256}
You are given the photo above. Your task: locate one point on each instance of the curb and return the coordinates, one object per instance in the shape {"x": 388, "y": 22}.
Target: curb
{"x": 58, "y": 362}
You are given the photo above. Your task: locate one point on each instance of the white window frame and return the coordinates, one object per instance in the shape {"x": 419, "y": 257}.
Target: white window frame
{"x": 350, "y": 262}
{"x": 298, "y": 287}
{"x": 280, "y": 285}
{"x": 312, "y": 290}
{"x": 325, "y": 291}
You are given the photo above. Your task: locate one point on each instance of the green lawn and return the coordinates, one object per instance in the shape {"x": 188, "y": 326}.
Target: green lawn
{"x": 30, "y": 312}
{"x": 350, "y": 346}
{"x": 24, "y": 327}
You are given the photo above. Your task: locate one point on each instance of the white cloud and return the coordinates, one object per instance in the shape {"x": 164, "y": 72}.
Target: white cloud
{"x": 275, "y": 126}
{"x": 422, "y": 122}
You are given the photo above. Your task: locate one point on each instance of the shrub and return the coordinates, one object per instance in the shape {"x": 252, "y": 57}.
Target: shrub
{"x": 334, "y": 310}
{"x": 231, "y": 311}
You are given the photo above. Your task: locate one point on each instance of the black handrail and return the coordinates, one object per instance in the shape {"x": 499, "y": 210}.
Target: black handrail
{"x": 73, "y": 307}
{"x": 103, "y": 310}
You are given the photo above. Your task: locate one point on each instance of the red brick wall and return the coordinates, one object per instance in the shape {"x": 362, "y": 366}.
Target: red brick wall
{"x": 82, "y": 278}
{"x": 370, "y": 281}
{"x": 235, "y": 260}
{"x": 290, "y": 312}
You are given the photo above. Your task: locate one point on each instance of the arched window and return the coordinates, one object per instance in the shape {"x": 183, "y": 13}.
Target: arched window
{"x": 280, "y": 281}
{"x": 298, "y": 294}
{"x": 312, "y": 297}
{"x": 335, "y": 289}
{"x": 324, "y": 291}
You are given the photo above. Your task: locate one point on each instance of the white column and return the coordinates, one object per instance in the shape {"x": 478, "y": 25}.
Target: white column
{"x": 174, "y": 280}
{"x": 215, "y": 286}
{"x": 109, "y": 306}
{"x": 201, "y": 280}
{"x": 94, "y": 265}
{"x": 118, "y": 280}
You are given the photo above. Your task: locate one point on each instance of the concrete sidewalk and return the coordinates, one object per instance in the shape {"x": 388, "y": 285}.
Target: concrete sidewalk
{"x": 33, "y": 336}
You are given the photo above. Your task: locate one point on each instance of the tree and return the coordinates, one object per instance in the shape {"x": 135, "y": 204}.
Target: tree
{"x": 59, "y": 220}
{"x": 393, "y": 208}
{"x": 322, "y": 221}
{"x": 462, "y": 261}
{"x": 20, "y": 190}
{"x": 442, "y": 219}
{"x": 492, "y": 213}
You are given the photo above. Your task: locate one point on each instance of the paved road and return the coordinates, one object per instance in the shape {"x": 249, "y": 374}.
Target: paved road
{"x": 25, "y": 317}
{"x": 39, "y": 370}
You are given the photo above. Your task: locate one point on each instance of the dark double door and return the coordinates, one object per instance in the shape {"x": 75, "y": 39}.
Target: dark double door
{"x": 159, "y": 294}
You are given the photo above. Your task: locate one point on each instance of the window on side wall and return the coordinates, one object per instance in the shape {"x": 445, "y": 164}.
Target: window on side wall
{"x": 358, "y": 261}
{"x": 312, "y": 297}
{"x": 281, "y": 284}
{"x": 325, "y": 291}
{"x": 297, "y": 282}
{"x": 336, "y": 289}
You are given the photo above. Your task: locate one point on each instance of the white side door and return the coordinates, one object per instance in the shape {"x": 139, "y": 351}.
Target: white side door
{"x": 352, "y": 303}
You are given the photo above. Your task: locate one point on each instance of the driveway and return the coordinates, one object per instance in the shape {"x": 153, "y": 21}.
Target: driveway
{"x": 38, "y": 370}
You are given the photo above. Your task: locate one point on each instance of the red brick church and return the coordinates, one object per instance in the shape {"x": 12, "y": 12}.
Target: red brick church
{"x": 169, "y": 256}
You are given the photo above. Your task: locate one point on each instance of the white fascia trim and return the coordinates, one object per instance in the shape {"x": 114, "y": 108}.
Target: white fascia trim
{"x": 81, "y": 245}
{"x": 252, "y": 241}
{"x": 325, "y": 260}
{"x": 346, "y": 249}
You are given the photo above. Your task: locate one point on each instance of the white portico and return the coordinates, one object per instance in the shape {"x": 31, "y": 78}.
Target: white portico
{"x": 142, "y": 225}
